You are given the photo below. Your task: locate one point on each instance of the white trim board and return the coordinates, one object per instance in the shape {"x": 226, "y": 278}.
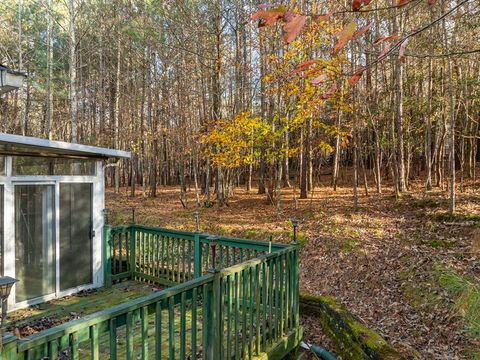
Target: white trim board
{"x": 59, "y": 147}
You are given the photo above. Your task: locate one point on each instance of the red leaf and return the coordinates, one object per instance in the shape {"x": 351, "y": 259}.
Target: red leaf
{"x": 392, "y": 37}
{"x": 401, "y": 52}
{"x": 293, "y": 27}
{"x": 344, "y": 36}
{"x": 312, "y": 71}
{"x": 302, "y": 66}
{"x": 401, "y": 3}
{"x": 320, "y": 79}
{"x": 431, "y": 2}
{"x": 385, "y": 50}
{"x": 331, "y": 91}
{"x": 269, "y": 17}
{"x": 358, "y": 4}
{"x": 355, "y": 78}
{"x": 323, "y": 17}
{"x": 362, "y": 31}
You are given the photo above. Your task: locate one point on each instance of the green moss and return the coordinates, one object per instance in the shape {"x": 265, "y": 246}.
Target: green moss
{"x": 442, "y": 243}
{"x": 456, "y": 217}
{"x": 351, "y": 338}
{"x": 348, "y": 245}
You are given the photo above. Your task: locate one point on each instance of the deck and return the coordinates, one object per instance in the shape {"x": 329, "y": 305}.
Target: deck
{"x": 171, "y": 295}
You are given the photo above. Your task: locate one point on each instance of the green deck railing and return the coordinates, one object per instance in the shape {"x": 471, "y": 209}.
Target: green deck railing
{"x": 245, "y": 307}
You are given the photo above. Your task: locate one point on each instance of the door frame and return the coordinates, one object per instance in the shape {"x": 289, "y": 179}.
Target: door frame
{"x": 98, "y": 201}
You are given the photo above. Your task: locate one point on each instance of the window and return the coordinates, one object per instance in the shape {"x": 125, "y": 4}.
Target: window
{"x": 34, "y": 241}
{"x": 32, "y": 165}
{"x": 2, "y": 165}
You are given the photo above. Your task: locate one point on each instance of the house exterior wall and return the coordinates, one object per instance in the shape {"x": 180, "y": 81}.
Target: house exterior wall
{"x": 8, "y": 181}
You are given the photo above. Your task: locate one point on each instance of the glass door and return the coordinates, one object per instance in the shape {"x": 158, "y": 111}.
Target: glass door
{"x": 34, "y": 241}
{"x": 1, "y": 229}
{"x": 76, "y": 253}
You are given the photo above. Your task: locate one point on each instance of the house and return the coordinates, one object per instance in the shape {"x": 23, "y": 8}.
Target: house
{"x": 51, "y": 204}
{"x": 203, "y": 296}
{"x": 10, "y": 79}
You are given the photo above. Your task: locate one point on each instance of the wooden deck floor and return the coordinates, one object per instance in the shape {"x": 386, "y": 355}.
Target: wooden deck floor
{"x": 28, "y": 321}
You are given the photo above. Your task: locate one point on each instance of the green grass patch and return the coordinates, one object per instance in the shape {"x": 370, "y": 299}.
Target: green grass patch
{"x": 302, "y": 238}
{"x": 348, "y": 245}
{"x": 443, "y": 217}
{"x": 466, "y": 294}
{"x": 442, "y": 243}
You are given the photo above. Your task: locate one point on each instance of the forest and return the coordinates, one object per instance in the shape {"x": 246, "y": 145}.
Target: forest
{"x": 360, "y": 118}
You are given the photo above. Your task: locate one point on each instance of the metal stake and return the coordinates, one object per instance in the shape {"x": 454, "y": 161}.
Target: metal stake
{"x": 295, "y": 224}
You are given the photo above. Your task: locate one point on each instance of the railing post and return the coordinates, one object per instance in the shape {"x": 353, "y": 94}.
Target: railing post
{"x": 107, "y": 255}
{"x": 133, "y": 263}
{"x": 8, "y": 351}
{"x": 297, "y": 288}
{"x": 197, "y": 256}
{"x": 214, "y": 318}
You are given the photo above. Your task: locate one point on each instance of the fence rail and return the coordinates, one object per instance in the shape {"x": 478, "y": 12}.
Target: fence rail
{"x": 228, "y": 298}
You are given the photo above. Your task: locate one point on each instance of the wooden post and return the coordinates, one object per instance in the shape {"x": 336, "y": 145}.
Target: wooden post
{"x": 107, "y": 255}
{"x": 9, "y": 347}
{"x": 197, "y": 256}
{"x": 133, "y": 263}
{"x": 214, "y": 318}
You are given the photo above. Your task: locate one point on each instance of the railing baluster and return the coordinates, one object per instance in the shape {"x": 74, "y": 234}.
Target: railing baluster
{"x": 158, "y": 330}
{"x": 229, "y": 316}
{"x": 194, "y": 324}
{"x": 94, "y": 342}
{"x": 251, "y": 296}
{"x": 264, "y": 303}
{"x": 144, "y": 324}
{"x": 282, "y": 294}
{"x": 167, "y": 262}
{"x": 257, "y": 309}
{"x": 113, "y": 339}
{"x": 183, "y": 326}
{"x": 171, "y": 328}
{"x": 183, "y": 261}
{"x": 270, "y": 302}
{"x": 244, "y": 311}
{"x": 237, "y": 299}
{"x": 53, "y": 350}
{"x": 204, "y": 321}
{"x": 129, "y": 335}
{"x": 74, "y": 346}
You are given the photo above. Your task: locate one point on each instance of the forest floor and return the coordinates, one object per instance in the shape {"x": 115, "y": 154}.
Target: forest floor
{"x": 403, "y": 266}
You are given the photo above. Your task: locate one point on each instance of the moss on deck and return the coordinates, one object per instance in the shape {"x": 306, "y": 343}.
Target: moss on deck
{"x": 36, "y": 318}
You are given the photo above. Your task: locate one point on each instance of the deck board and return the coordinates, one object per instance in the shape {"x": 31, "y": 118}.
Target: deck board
{"x": 40, "y": 317}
